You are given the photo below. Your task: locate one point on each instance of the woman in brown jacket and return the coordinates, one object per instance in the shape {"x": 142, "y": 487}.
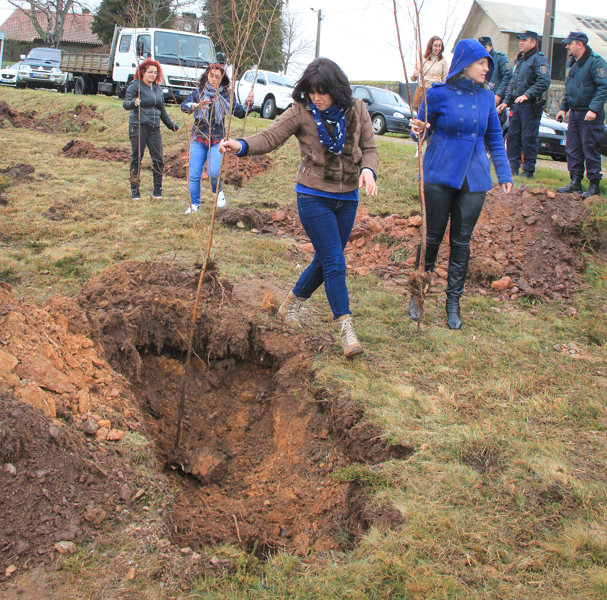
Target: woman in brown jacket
{"x": 433, "y": 69}
{"x": 338, "y": 155}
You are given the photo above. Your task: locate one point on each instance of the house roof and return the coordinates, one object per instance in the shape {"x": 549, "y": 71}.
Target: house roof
{"x": 77, "y": 28}
{"x": 510, "y": 18}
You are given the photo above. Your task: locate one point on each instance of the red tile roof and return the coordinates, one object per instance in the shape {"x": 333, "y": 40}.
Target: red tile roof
{"x": 77, "y": 28}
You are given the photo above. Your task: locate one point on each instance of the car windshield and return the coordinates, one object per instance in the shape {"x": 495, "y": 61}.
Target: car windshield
{"x": 44, "y": 55}
{"x": 183, "y": 49}
{"x": 281, "y": 80}
{"x": 388, "y": 97}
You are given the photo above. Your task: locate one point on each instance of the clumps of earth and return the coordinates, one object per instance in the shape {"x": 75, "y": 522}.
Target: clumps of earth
{"x": 236, "y": 171}
{"x": 16, "y": 174}
{"x": 75, "y": 119}
{"x": 265, "y": 461}
{"x": 526, "y": 243}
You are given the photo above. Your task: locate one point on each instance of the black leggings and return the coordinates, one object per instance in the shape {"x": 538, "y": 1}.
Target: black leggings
{"x": 143, "y": 136}
{"x": 463, "y": 206}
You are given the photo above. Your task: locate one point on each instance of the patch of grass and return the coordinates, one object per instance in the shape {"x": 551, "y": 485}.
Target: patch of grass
{"x": 69, "y": 266}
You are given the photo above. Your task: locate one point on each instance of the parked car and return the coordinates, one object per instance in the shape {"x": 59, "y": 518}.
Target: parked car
{"x": 552, "y": 137}
{"x": 8, "y": 75}
{"x": 273, "y": 92}
{"x": 389, "y": 112}
{"x": 41, "y": 68}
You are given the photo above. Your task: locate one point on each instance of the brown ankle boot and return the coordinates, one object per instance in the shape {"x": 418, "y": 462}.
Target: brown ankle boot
{"x": 349, "y": 341}
{"x": 289, "y": 310}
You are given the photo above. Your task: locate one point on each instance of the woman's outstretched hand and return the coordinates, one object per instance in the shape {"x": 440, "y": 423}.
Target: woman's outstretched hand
{"x": 367, "y": 179}
{"x": 228, "y": 146}
{"x": 417, "y": 125}
{"x": 506, "y": 187}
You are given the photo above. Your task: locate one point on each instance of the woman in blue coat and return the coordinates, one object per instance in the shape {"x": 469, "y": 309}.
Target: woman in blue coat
{"x": 210, "y": 103}
{"x": 461, "y": 119}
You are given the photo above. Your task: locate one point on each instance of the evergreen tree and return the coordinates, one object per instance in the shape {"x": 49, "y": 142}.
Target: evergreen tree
{"x": 225, "y": 21}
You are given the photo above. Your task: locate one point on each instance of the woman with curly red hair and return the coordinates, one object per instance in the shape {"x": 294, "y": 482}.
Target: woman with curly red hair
{"x": 145, "y": 99}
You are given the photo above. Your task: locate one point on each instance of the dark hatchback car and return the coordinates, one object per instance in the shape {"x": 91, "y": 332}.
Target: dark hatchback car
{"x": 552, "y": 137}
{"x": 389, "y": 112}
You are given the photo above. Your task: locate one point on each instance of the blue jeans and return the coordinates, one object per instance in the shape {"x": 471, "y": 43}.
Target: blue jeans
{"x": 328, "y": 223}
{"x": 199, "y": 153}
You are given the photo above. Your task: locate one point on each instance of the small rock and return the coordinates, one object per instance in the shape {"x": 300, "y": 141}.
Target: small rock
{"x": 131, "y": 574}
{"x": 53, "y": 431}
{"x": 65, "y": 547}
{"x": 10, "y": 570}
{"x": 7, "y": 362}
{"x": 502, "y": 284}
{"x": 207, "y": 465}
{"x": 125, "y": 493}
{"x": 279, "y": 215}
{"x": 187, "y": 550}
{"x": 269, "y": 302}
{"x": 572, "y": 312}
{"x": 21, "y": 547}
{"x": 95, "y": 515}
{"x": 374, "y": 226}
{"x": 10, "y": 469}
{"x": 441, "y": 273}
{"x": 163, "y": 543}
{"x": 534, "y": 311}
{"x": 102, "y": 433}
{"x": 530, "y": 220}
{"x": 138, "y": 494}
{"x": 114, "y": 435}
{"x": 415, "y": 221}
{"x": 550, "y": 194}
{"x": 90, "y": 427}
{"x": 104, "y": 423}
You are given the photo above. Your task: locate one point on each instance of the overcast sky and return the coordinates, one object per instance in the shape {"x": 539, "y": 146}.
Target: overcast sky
{"x": 360, "y": 35}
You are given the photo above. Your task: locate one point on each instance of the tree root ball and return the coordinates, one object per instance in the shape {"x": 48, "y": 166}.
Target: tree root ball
{"x": 419, "y": 282}
{"x": 482, "y": 268}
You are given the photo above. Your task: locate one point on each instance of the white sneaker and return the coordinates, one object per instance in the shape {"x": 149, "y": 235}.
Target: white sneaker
{"x": 192, "y": 209}
{"x": 221, "y": 199}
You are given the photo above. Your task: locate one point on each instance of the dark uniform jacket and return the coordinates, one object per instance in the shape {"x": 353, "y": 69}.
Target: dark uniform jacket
{"x": 586, "y": 83}
{"x": 151, "y": 110}
{"x": 502, "y": 74}
{"x": 531, "y": 76}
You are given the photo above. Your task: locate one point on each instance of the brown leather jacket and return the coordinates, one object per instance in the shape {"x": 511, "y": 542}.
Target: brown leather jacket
{"x": 318, "y": 168}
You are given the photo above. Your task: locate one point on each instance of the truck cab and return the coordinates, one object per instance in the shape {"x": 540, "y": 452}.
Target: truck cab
{"x": 183, "y": 57}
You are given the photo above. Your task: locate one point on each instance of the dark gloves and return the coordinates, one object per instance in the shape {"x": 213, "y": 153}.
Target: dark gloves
{"x": 175, "y": 127}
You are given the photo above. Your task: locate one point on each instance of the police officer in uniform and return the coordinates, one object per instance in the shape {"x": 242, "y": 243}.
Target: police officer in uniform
{"x": 525, "y": 94}
{"x": 585, "y": 96}
{"x": 503, "y": 70}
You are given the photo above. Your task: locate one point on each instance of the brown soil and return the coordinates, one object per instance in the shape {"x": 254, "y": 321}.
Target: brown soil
{"x": 534, "y": 237}
{"x": 69, "y": 120}
{"x": 237, "y": 170}
{"x": 260, "y": 443}
{"x": 258, "y": 447}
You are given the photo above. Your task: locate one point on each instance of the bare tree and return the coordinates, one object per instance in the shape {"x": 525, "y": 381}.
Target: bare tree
{"x": 47, "y": 16}
{"x": 296, "y": 44}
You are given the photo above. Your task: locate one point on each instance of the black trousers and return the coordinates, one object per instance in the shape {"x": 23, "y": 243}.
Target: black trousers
{"x": 142, "y": 137}
{"x": 522, "y": 137}
{"x": 463, "y": 208}
{"x": 584, "y": 144}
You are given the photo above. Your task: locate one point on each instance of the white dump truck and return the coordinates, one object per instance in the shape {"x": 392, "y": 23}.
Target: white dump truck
{"x": 182, "y": 55}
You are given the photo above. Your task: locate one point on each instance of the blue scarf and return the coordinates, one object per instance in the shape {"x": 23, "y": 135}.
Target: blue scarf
{"x": 219, "y": 104}
{"x": 334, "y": 115}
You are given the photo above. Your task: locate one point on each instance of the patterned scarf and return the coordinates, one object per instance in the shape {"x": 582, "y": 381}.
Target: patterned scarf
{"x": 219, "y": 104}
{"x": 334, "y": 115}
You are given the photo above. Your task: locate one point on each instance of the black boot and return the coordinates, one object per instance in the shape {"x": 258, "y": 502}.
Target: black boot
{"x": 157, "y": 173}
{"x": 415, "y": 304}
{"x": 135, "y": 195}
{"x": 458, "y": 269}
{"x": 527, "y": 174}
{"x": 594, "y": 189}
{"x": 574, "y": 186}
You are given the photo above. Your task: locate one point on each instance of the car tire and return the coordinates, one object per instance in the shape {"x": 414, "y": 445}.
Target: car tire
{"x": 20, "y": 86}
{"x": 81, "y": 87}
{"x": 268, "y": 110}
{"x": 559, "y": 157}
{"x": 379, "y": 125}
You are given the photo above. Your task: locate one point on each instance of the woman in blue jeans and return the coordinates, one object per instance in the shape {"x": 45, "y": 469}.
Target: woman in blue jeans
{"x": 338, "y": 155}
{"x": 210, "y": 103}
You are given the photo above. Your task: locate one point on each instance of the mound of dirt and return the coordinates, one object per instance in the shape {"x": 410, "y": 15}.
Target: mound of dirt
{"x": 82, "y": 149}
{"x": 534, "y": 237}
{"x": 56, "y": 490}
{"x": 68, "y": 120}
{"x": 19, "y": 173}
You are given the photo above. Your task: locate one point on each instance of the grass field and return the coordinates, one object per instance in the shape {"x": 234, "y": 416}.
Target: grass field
{"x": 505, "y": 496}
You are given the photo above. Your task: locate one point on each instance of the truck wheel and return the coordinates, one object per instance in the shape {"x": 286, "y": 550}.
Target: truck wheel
{"x": 81, "y": 87}
{"x": 20, "y": 86}
{"x": 91, "y": 84}
{"x": 268, "y": 110}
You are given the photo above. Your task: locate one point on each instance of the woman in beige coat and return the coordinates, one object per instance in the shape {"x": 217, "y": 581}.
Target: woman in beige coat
{"x": 433, "y": 69}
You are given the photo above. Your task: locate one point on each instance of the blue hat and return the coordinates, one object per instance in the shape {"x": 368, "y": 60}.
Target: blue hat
{"x": 465, "y": 53}
{"x": 528, "y": 34}
{"x": 576, "y": 36}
